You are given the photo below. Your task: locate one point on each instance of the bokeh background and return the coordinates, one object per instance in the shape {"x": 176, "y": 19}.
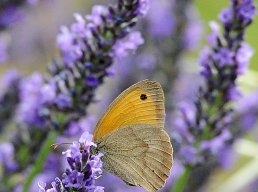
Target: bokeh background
{"x": 32, "y": 45}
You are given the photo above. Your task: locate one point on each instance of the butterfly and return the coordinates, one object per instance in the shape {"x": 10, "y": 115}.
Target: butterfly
{"x": 132, "y": 138}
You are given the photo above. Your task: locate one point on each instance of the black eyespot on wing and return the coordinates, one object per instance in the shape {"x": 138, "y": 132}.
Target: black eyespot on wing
{"x": 143, "y": 97}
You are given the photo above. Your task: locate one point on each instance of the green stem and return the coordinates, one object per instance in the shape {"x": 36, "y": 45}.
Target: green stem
{"x": 43, "y": 153}
{"x": 181, "y": 182}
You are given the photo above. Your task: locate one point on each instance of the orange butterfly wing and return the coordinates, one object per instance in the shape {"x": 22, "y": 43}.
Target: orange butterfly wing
{"x": 143, "y": 102}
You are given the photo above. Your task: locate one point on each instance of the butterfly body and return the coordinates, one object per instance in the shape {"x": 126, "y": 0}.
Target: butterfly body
{"x": 132, "y": 138}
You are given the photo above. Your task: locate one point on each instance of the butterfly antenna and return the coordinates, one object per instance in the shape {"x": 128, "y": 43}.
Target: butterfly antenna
{"x": 56, "y": 145}
{"x": 97, "y": 177}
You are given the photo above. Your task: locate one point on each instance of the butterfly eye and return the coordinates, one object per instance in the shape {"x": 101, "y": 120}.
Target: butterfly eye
{"x": 143, "y": 97}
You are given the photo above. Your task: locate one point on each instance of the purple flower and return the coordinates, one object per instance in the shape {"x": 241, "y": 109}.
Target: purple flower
{"x": 161, "y": 18}
{"x": 84, "y": 168}
{"x": 188, "y": 111}
{"x": 203, "y": 127}
{"x": 71, "y": 51}
{"x": 217, "y": 143}
{"x": 213, "y": 37}
{"x": 85, "y": 124}
{"x": 147, "y": 61}
{"x": 48, "y": 93}
{"x": 189, "y": 155}
{"x": 11, "y": 11}
{"x": 56, "y": 186}
{"x": 92, "y": 81}
{"x": 243, "y": 56}
{"x": 31, "y": 101}
{"x": 10, "y": 15}
{"x": 223, "y": 57}
{"x": 32, "y": 2}
{"x": 63, "y": 101}
{"x": 129, "y": 43}
{"x": 97, "y": 12}
{"x": 79, "y": 27}
{"x": 247, "y": 107}
{"x": 3, "y": 52}
{"x": 204, "y": 60}
{"x": 246, "y": 10}
{"x": 227, "y": 157}
{"x": 226, "y": 16}
{"x": 233, "y": 93}
{"x": 143, "y": 7}
{"x": 7, "y": 157}
{"x": 74, "y": 179}
{"x": 193, "y": 31}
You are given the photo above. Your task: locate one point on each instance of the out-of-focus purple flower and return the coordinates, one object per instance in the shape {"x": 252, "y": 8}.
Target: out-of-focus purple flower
{"x": 216, "y": 144}
{"x": 188, "y": 110}
{"x": 31, "y": 101}
{"x": 84, "y": 168}
{"x": 215, "y": 33}
{"x": 44, "y": 177}
{"x": 71, "y": 51}
{"x": 226, "y": 16}
{"x": 184, "y": 88}
{"x": 223, "y": 57}
{"x": 80, "y": 26}
{"x": 118, "y": 184}
{"x": 85, "y": 124}
{"x": 11, "y": 11}
{"x": 56, "y": 186}
{"x": 3, "y": 52}
{"x": 92, "y": 81}
{"x": 129, "y": 43}
{"x": 227, "y": 157}
{"x": 63, "y": 101}
{"x": 97, "y": 12}
{"x": 7, "y": 157}
{"x": 32, "y": 2}
{"x": 48, "y": 93}
{"x": 189, "y": 155}
{"x": 246, "y": 10}
{"x": 143, "y": 7}
{"x": 233, "y": 93}
{"x": 243, "y": 56}
{"x": 193, "y": 31}
{"x": 247, "y": 107}
{"x": 206, "y": 121}
{"x": 147, "y": 61}
{"x": 10, "y": 15}
{"x": 204, "y": 57}
{"x": 161, "y": 18}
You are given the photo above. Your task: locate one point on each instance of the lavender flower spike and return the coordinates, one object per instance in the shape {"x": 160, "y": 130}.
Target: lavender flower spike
{"x": 205, "y": 124}
{"x": 84, "y": 168}
{"x": 89, "y": 47}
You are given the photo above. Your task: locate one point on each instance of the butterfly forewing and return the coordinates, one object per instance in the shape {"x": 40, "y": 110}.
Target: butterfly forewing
{"x": 143, "y": 102}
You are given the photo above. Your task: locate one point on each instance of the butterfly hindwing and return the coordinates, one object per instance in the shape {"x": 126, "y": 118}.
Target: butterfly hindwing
{"x": 143, "y": 159}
